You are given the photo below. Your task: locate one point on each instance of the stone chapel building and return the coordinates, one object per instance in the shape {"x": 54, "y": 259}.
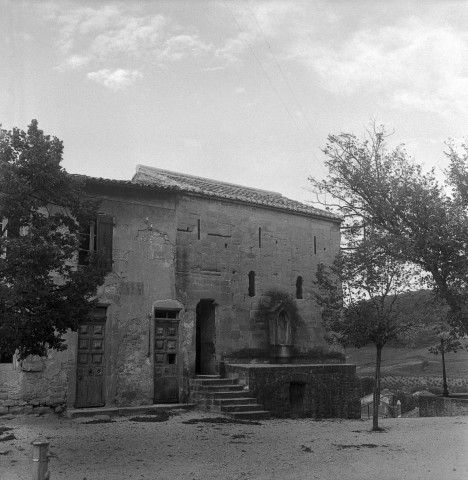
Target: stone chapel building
{"x": 194, "y": 264}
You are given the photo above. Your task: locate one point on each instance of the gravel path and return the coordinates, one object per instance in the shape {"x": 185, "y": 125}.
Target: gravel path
{"x": 409, "y": 448}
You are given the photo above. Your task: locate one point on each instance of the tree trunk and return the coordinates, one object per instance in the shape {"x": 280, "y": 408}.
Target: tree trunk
{"x": 445, "y": 392}
{"x": 376, "y": 398}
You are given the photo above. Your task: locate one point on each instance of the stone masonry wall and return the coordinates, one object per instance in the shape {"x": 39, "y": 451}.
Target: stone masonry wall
{"x": 36, "y": 385}
{"x": 219, "y": 243}
{"x": 432, "y": 406}
{"x": 328, "y": 390}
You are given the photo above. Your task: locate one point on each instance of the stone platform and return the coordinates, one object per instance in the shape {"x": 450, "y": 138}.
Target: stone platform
{"x": 295, "y": 390}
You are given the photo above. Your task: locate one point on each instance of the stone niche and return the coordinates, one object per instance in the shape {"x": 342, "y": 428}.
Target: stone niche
{"x": 317, "y": 391}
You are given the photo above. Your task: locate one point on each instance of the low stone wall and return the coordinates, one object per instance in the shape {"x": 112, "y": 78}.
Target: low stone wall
{"x": 318, "y": 391}
{"x": 36, "y": 385}
{"x": 432, "y": 406}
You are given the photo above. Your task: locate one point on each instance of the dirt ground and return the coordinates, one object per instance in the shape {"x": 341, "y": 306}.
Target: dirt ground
{"x": 182, "y": 447}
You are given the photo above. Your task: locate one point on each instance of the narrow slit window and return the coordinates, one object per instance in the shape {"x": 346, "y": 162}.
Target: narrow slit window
{"x": 299, "y": 288}
{"x": 315, "y": 245}
{"x": 251, "y": 283}
{"x": 199, "y": 228}
{"x": 259, "y": 237}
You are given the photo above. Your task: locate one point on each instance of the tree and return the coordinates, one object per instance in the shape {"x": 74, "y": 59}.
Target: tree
{"x": 387, "y": 191}
{"x": 447, "y": 343}
{"x": 42, "y": 292}
{"x": 358, "y": 296}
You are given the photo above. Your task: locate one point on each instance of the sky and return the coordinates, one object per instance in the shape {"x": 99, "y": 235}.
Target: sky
{"x": 240, "y": 91}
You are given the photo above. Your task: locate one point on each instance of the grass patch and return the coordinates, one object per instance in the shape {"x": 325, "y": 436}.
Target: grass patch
{"x": 220, "y": 420}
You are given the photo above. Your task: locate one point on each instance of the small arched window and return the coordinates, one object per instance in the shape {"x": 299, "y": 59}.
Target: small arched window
{"x": 299, "y": 287}
{"x": 251, "y": 283}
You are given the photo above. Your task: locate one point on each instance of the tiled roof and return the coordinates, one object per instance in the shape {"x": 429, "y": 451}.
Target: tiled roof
{"x": 165, "y": 179}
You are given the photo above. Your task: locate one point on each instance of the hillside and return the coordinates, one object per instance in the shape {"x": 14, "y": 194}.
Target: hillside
{"x": 410, "y": 355}
{"x": 408, "y": 361}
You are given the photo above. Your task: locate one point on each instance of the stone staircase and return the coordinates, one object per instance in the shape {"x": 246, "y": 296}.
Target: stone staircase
{"x": 224, "y": 395}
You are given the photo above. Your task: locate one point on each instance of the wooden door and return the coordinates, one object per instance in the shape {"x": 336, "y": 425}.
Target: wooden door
{"x": 166, "y": 357}
{"x": 90, "y": 365}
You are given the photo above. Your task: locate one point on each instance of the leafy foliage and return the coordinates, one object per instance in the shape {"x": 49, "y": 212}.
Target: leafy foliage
{"x": 42, "y": 293}
{"x": 358, "y": 296}
{"x": 389, "y": 193}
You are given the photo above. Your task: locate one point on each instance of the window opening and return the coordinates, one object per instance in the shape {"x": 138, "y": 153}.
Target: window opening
{"x": 251, "y": 283}
{"x": 299, "y": 288}
{"x": 199, "y": 228}
{"x": 259, "y": 237}
{"x": 315, "y": 245}
{"x": 163, "y": 314}
{"x": 96, "y": 237}
{"x": 171, "y": 358}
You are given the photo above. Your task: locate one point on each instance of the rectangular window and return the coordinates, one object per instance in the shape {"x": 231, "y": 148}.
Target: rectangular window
{"x": 165, "y": 314}
{"x": 96, "y": 237}
{"x": 315, "y": 245}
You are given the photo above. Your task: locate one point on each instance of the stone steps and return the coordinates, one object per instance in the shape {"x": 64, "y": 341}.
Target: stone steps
{"x": 253, "y": 407}
{"x": 252, "y": 415}
{"x": 234, "y": 401}
{"x": 223, "y": 395}
{"x": 217, "y": 388}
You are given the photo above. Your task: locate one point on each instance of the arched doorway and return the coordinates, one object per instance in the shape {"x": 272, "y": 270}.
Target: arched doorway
{"x": 205, "y": 359}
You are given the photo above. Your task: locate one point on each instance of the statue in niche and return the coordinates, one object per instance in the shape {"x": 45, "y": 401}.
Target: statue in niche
{"x": 281, "y": 329}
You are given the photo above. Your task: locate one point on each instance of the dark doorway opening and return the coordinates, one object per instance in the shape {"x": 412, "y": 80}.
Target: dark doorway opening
{"x": 296, "y": 399}
{"x": 205, "y": 360}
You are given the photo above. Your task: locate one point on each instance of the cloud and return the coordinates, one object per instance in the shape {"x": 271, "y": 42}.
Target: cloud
{"x": 75, "y": 62}
{"x": 115, "y": 79}
{"x": 180, "y": 46}
{"x": 239, "y": 90}
{"x": 413, "y": 64}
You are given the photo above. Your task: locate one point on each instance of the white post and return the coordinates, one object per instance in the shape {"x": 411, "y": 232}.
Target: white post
{"x": 40, "y": 459}
{"x": 398, "y": 409}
